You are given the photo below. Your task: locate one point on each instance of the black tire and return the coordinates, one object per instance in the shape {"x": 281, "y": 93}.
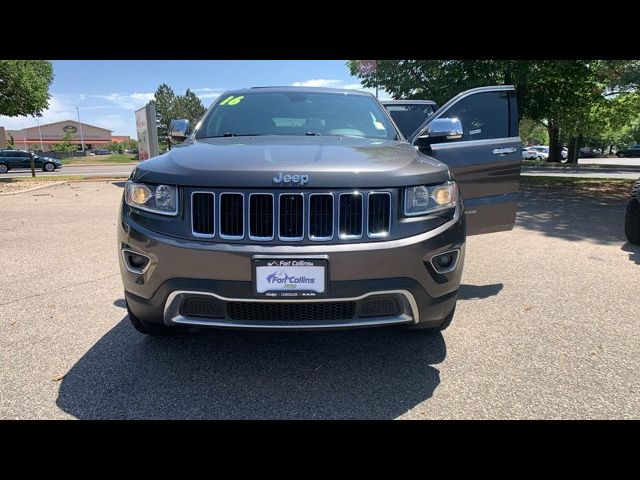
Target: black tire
{"x": 443, "y": 326}
{"x": 48, "y": 167}
{"x": 619, "y": 154}
{"x": 3, "y": 168}
{"x": 632, "y": 222}
{"x": 153, "y": 329}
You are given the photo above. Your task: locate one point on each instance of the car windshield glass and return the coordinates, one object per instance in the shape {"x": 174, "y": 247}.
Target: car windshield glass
{"x": 296, "y": 113}
{"x": 409, "y": 117}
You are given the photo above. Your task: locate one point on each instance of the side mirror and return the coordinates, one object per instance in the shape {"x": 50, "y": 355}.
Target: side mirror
{"x": 179, "y": 130}
{"x": 440, "y": 130}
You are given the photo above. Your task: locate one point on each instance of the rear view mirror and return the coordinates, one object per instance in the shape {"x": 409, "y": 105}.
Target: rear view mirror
{"x": 440, "y": 130}
{"x": 179, "y": 130}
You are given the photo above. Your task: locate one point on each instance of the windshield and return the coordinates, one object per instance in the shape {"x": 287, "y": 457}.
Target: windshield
{"x": 409, "y": 117}
{"x": 296, "y": 113}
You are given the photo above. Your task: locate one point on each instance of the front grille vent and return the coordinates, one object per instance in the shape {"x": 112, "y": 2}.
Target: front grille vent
{"x": 350, "y": 215}
{"x": 291, "y": 216}
{"x": 232, "y": 215}
{"x": 202, "y": 214}
{"x": 261, "y": 216}
{"x": 320, "y": 216}
{"x": 291, "y": 312}
{"x": 379, "y": 221}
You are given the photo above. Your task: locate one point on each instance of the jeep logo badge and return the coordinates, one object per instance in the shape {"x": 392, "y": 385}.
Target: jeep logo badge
{"x": 291, "y": 179}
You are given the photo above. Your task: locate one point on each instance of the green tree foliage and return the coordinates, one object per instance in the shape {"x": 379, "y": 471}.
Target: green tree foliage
{"x": 24, "y": 87}
{"x": 170, "y": 106}
{"x": 67, "y": 144}
{"x": 533, "y": 132}
{"x": 571, "y": 98}
{"x": 165, "y": 101}
{"x": 190, "y": 107}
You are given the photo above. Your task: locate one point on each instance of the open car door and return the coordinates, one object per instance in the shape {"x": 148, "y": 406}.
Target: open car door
{"x": 476, "y": 135}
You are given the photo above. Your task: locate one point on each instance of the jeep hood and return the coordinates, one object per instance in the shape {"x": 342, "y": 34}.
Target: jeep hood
{"x": 329, "y": 162}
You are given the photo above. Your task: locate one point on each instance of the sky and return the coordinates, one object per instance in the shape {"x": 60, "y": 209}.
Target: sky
{"x": 107, "y": 92}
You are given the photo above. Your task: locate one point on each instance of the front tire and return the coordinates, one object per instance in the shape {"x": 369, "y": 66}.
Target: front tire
{"x": 48, "y": 167}
{"x": 632, "y": 222}
{"x": 440, "y": 328}
{"x": 153, "y": 329}
{"x": 3, "y": 168}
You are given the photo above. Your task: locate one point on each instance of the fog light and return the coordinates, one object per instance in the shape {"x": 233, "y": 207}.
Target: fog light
{"x": 445, "y": 262}
{"x": 135, "y": 262}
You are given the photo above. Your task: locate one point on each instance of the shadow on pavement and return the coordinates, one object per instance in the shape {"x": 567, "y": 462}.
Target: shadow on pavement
{"x": 634, "y": 251}
{"x": 368, "y": 374}
{"x": 121, "y": 302}
{"x": 478, "y": 292}
{"x": 558, "y": 213}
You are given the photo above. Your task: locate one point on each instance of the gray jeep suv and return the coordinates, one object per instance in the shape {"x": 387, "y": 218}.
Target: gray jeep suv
{"x": 306, "y": 208}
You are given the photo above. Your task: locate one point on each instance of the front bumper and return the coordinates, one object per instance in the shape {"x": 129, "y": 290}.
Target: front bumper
{"x": 180, "y": 269}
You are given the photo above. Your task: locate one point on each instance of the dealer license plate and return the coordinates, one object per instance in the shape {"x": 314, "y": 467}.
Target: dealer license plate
{"x": 290, "y": 277}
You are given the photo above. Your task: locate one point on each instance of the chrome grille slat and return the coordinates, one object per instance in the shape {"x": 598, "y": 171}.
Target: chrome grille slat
{"x": 261, "y": 216}
{"x": 231, "y": 216}
{"x": 350, "y": 215}
{"x": 320, "y": 216}
{"x": 202, "y": 214}
{"x": 379, "y": 214}
{"x": 291, "y": 216}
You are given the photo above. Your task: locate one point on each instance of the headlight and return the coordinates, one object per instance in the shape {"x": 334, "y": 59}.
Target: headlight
{"x": 422, "y": 199}
{"x": 162, "y": 199}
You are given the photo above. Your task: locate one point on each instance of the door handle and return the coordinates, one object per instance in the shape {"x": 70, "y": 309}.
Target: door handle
{"x": 503, "y": 151}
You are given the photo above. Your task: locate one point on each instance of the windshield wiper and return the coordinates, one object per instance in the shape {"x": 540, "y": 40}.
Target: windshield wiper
{"x": 229, "y": 134}
{"x": 313, "y": 134}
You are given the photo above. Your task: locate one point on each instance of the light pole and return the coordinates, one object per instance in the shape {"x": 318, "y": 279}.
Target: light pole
{"x": 40, "y": 133}
{"x": 80, "y": 125}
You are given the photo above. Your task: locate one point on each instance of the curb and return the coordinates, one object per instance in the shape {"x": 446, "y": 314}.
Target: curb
{"x": 97, "y": 165}
{"x": 49, "y": 184}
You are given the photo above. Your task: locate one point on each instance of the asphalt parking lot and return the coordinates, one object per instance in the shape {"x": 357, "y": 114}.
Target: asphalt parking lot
{"x": 547, "y": 327}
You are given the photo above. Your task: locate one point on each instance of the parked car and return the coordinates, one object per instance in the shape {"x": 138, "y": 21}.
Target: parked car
{"x": 537, "y": 152}
{"x": 588, "y": 152}
{"x": 409, "y": 114}
{"x": 12, "y": 159}
{"x": 632, "y": 216}
{"x": 304, "y": 208}
{"x": 632, "y": 151}
{"x": 103, "y": 152}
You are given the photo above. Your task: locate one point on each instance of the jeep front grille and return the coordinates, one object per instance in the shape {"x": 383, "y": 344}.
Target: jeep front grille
{"x": 292, "y": 216}
{"x": 350, "y": 217}
{"x": 231, "y": 216}
{"x": 379, "y": 221}
{"x": 321, "y": 216}
{"x": 202, "y": 214}
{"x": 261, "y": 214}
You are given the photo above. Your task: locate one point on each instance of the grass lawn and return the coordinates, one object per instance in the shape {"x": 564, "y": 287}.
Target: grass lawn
{"x": 101, "y": 159}
{"x": 59, "y": 178}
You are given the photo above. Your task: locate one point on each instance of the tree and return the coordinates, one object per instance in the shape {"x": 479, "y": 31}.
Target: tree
{"x": 558, "y": 94}
{"x": 165, "y": 101}
{"x": 11, "y": 142}
{"x": 189, "y": 106}
{"x": 24, "y": 87}
{"x": 132, "y": 144}
{"x": 66, "y": 145}
{"x": 533, "y": 132}
{"x": 170, "y": 106}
